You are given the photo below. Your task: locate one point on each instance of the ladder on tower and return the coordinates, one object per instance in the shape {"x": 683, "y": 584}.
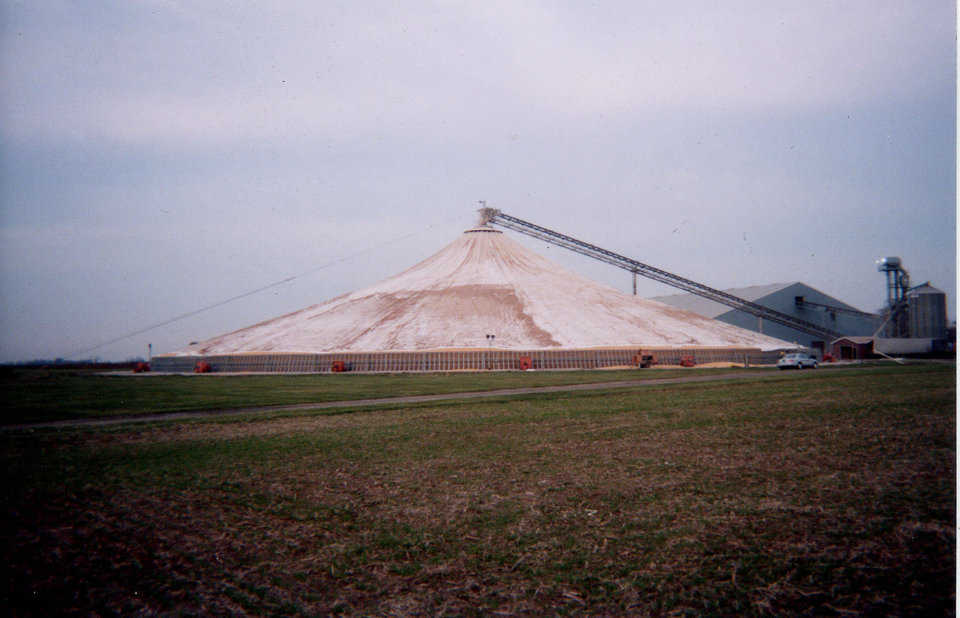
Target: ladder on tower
{"x": 496, "y": 217}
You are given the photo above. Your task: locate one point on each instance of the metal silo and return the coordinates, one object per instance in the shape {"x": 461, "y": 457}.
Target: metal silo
{"x": 928, "y": 312}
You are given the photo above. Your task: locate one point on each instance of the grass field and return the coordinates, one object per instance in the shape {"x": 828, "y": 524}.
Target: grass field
{"x": 35, "y": 395}
{"x": 823, "y": 496}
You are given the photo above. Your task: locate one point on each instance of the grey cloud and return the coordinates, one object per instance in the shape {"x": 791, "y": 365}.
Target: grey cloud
{"x": 260, "y": 139}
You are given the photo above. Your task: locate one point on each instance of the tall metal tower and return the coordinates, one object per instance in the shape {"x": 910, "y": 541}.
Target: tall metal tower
{"x": 898, "y": 284}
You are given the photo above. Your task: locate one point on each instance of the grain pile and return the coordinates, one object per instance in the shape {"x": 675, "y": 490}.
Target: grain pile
{"x": 482, "y": 283}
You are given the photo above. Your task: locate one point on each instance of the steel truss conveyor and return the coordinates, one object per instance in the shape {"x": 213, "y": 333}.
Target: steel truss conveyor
{"x": 494, "y": 216}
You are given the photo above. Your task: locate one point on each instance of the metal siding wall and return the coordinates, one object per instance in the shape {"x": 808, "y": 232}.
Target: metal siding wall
{"x": 928, "y": 315}
{"x": 784, "y": 301}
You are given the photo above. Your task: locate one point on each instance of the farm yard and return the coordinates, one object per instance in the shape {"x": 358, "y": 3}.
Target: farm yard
{"x": 823, "y": 493}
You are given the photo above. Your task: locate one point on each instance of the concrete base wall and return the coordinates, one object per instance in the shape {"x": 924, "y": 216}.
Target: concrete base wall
{"x": 456, "y": 360}
{"x": 903, "y": 346}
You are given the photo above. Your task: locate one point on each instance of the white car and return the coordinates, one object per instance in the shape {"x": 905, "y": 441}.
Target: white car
{"x": 797, "y": 360}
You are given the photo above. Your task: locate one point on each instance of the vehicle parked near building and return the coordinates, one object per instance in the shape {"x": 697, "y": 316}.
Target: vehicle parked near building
{"x": 797, "y": 360}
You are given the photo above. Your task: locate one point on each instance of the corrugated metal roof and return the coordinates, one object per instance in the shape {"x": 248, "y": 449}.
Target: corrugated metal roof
{"x": 853, "y": 339}
{"x": 712, "y": 309}
{"x": 924, "y": 288}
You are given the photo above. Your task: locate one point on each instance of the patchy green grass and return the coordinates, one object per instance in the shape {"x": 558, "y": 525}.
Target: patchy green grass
{"x": 38, "y": 395}
{"x": 35, "y": 395}
{"x": 826, "y": 495}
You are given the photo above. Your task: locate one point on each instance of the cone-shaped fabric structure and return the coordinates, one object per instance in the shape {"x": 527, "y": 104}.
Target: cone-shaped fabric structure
{"x": 483, "y": 283}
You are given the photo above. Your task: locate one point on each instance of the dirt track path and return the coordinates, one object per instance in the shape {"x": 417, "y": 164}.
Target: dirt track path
{"x": 386, "y": 401}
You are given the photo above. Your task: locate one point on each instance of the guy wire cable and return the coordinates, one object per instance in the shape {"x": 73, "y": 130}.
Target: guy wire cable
{"x": 220, "y": 303}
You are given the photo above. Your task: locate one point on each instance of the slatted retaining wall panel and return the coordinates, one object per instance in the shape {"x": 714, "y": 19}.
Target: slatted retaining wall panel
{"x": 458, "y": 360}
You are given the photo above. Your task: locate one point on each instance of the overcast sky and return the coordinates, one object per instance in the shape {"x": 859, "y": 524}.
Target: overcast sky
{"x": 160, "y": 156}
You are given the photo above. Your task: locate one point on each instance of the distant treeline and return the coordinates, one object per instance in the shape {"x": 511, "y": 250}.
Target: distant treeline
{"x": 90, "y": 363}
